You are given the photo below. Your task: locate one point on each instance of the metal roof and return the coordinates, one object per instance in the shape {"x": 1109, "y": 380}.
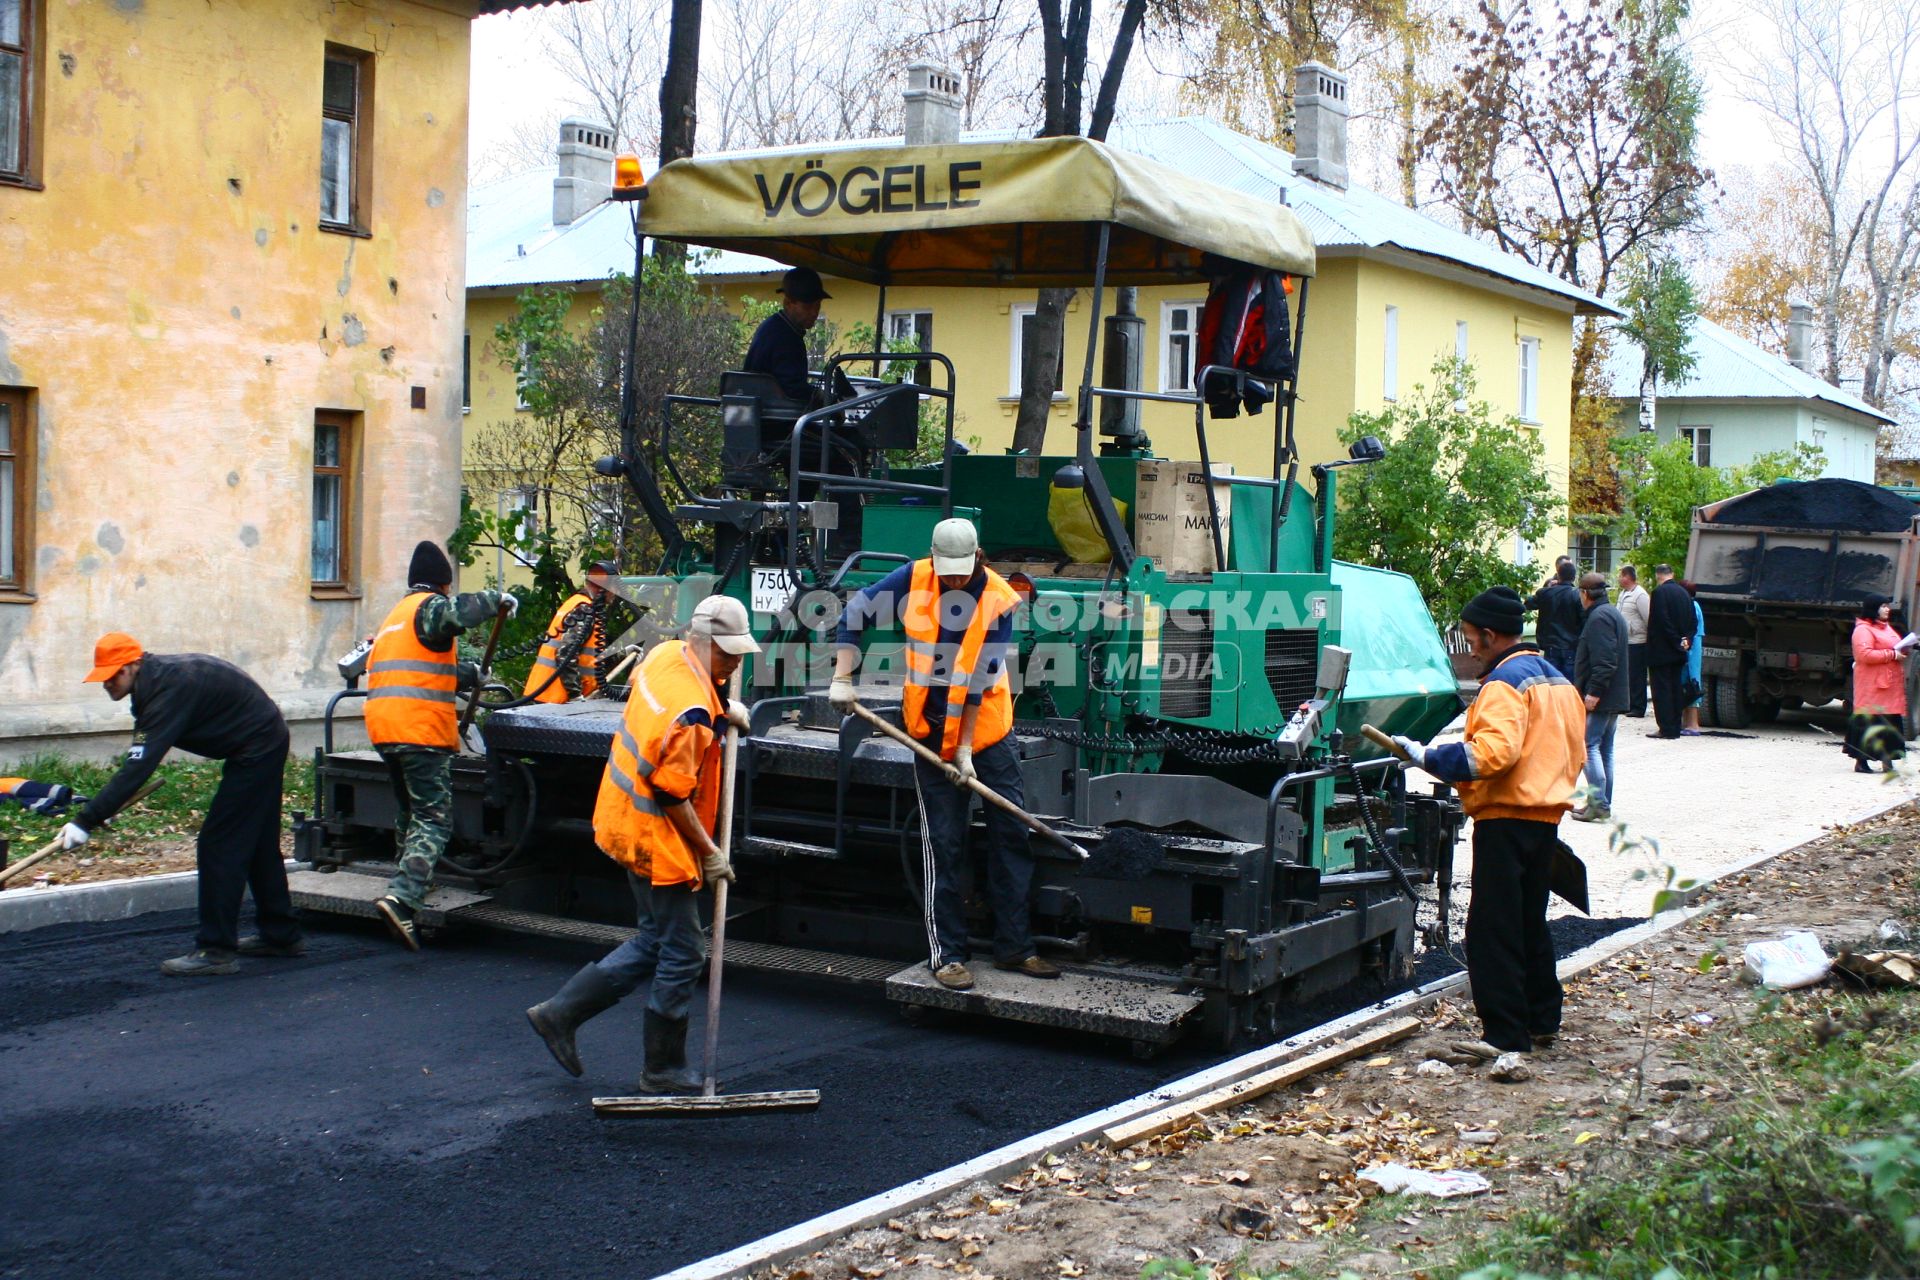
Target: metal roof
{"x": 512, "y": 242}
{"x": 1728, "y": 367}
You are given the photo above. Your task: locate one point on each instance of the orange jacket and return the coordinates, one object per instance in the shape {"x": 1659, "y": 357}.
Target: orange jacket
{"x": 1525, "y": 743}
{"x": 588, "y": 659}
{"x": 931, "y": 664}
{"x": 410, "y": 688}
{"x": 666, "y": 752}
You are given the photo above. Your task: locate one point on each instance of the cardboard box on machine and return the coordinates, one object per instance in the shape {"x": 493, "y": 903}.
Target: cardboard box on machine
{"x": 1171, "y": 523}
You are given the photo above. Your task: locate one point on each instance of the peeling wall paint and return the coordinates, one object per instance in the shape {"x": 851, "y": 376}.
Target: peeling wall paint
{"x": 176, "y": 392}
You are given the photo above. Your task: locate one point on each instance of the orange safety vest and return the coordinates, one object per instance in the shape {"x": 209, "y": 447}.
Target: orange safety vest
{"x": 668, "y": 744}
{"x": 929, "y": 667}
{"x": 410, "y": 688}
{"x": 548, "y": 662}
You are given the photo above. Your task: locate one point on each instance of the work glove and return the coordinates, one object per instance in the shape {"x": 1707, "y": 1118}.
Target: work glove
{"x": 72, "y": 836}
{"x": 840, "y": 695}
{"x": 716, "y": 866}
{"x": 1416, "y": 751}
{"x": 737, "y": 714}
{"x": 509, "y": 602}
{"x": 963, "y": 770}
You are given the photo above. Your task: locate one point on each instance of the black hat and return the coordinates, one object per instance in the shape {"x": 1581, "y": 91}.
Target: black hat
{"x": 802, "y": 284}
{"x": 429, "y": 567}
{"x": 1497, "y": 609}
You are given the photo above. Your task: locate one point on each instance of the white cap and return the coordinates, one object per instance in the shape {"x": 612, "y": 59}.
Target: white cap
{"x": 724, "y": 620}
{"x": 955, "y": 542}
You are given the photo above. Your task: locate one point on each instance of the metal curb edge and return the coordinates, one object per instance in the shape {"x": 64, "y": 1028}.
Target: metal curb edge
{"x": 815, "y": 1233}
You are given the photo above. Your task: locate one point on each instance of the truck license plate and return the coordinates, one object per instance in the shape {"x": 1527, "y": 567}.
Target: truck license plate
{"x": 1710, "y": 651}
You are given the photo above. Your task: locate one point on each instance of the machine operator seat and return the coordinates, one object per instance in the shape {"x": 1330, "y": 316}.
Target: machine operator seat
{"x": 757, "y": 422}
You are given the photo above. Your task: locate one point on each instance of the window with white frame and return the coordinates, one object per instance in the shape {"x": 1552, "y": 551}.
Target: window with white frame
{"x": 1390, "y": 355}
{"x": 1179, "y": 330}
{"x": 1460, "y": 354}
{"x": 1700, "y": 440}
{"x": 519, "y": 511}
{"x": 915, "y": 328}
{"x": 524, "y": 373}
{"x": 1529, "y": 379}
{"x": 1023, "y": 321}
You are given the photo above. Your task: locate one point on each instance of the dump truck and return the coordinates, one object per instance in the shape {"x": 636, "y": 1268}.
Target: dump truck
{"x": 1781, "y": 573}
{"x": 1211, "y": 699}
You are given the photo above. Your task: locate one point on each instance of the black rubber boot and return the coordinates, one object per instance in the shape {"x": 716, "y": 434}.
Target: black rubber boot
{"x": 556, "y": 1018}
{"x": 666, "y": 1049}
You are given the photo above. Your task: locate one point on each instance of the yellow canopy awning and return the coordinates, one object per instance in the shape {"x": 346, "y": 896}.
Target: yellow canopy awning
{"x": 1004, "y": 213}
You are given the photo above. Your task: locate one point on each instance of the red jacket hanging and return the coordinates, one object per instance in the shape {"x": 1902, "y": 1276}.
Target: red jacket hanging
{"x": 1245, "y": 325}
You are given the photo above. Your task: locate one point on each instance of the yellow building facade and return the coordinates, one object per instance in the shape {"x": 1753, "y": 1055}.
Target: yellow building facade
{"x": 230, "y": 335}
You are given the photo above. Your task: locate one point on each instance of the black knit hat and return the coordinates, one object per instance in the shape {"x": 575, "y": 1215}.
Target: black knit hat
{"x": 429, "y": 567}
{"x": 1497, "y": 609}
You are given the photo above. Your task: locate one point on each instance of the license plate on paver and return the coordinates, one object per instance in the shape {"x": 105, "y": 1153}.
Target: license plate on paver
{"x": 771, "y": 590}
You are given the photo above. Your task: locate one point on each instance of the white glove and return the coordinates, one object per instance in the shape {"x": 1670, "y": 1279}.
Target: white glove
{"x": 716, "y": 866}
{"x": 737, "y": 714}
{"x": 509, "y": 602}
{"x": 72, "y": 836}
{"x": 963, "y": 770}
{"x": 1416, "y": 751}
{"x": 840, "y": 695}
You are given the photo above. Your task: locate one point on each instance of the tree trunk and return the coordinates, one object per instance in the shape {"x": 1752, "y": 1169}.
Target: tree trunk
{"x": 1039, "y": 369}
{"x": 679, "y": 87}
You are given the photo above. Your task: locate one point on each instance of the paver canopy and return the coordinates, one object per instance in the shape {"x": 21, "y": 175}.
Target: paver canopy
{"x": 1007, "y": 213}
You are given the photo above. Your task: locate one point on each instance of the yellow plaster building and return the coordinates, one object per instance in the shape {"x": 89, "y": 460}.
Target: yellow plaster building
{"x": 230, "y": 332}
{"x": 1396, "y": 291}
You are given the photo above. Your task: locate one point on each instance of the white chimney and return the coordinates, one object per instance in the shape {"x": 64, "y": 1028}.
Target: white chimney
{"x": 1320, "y": 124}
{"x": 585, "y": 174}
{"x": 933, "y": 105}
{"x": 1800, "y": 336}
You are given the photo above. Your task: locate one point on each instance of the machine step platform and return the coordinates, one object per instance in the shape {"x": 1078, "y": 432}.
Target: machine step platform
{"x": 353, "y": 893}
{"x": 1079, "y": 1001}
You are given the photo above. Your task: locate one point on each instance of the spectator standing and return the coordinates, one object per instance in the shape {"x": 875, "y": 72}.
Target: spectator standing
{"x": 1600, "y": 676}
{"x": 1669, "y": 637}
{"x": 1561, "y": 615}
{"x": 1693, "y": 688}
{"x": 1877, "y": 728}
{"x": 1635, "y": 606}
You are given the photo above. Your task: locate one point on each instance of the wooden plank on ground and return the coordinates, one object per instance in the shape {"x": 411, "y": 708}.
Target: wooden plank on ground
{"x": 1167, "y": 1119}
{"x": 720, "y": 1104}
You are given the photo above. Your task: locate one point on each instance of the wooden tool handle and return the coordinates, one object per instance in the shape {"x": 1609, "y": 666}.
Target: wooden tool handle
{"x": 978, "y": 787}
{"x": 722, "y": 836}
{"x": 14, "y": 870}
{"x": 486, "y": 665}
{"x": 619, "y": 669}
{"x": 1384, "y": 742}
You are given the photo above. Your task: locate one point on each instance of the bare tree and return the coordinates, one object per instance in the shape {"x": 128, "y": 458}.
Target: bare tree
{"x": 610, "y": 51}
{"x": 1842, "y": 81}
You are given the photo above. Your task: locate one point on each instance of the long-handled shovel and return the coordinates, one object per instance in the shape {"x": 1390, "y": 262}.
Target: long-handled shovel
{"x": 53, "y": 848}
{"x": 978, "y": 787}
{"x": 486, "y": 668}
{"x": 709, "y": 1102}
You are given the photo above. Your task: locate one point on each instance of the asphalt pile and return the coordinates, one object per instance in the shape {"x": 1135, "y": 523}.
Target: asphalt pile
{"x": 1845, "y": 505}
{"x": 370, "y": 1111}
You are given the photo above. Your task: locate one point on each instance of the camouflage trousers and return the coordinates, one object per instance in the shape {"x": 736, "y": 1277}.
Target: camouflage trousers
{"x": 423, "y": 784}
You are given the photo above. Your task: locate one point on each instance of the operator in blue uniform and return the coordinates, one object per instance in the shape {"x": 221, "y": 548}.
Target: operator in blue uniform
{"x": 779, "y": 346}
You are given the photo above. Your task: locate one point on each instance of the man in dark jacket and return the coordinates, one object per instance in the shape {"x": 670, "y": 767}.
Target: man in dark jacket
{"x": 779, "y": 346}
{"x": 1669, "y": 636}
{"x": 211, "y": 708}
{"x": 1561, "y": 616}
{"x": 1601, "y": 674}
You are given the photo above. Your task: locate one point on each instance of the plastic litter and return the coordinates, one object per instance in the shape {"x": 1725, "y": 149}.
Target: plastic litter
{"x": 1442, "y": 1185}
{"x": 1433, "y": 1067}
{"x": 1893, "y": 933}
{"x": 1794, "y": 960}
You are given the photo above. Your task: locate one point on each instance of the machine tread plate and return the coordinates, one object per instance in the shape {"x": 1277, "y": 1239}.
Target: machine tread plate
{"x": 1076, "y": 1000}
{"x": 583, "y": 728}
{"x": 351, "y": 893}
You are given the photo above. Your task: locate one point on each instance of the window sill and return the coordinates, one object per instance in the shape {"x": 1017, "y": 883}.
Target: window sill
{"x": 14, "y": 595}
{"x": 340, "y": 229}
{"x": 1532, "y": 424}
{"x": 21, "y": 183}
{"x": 339, "y": 592}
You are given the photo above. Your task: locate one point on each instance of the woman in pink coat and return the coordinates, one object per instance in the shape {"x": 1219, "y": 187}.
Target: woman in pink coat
{"x": 1876, "y": 730}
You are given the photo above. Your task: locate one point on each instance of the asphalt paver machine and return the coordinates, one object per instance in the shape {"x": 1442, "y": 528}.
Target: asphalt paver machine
{"x": 1215, "y": 707}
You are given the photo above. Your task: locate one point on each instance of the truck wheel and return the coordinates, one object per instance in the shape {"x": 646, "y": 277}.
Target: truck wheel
{"x": 1709, "y": 719}
{"x": 1730, "y": 707}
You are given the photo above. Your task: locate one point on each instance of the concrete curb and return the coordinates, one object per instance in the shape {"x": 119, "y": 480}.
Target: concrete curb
{"x": 816, "y": 1233}
{"x": 100, "y": 902}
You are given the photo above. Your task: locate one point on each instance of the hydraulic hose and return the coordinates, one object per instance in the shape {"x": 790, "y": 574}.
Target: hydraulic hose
{"x": 520, "y": 842}
{"x": 1374, "y": 838}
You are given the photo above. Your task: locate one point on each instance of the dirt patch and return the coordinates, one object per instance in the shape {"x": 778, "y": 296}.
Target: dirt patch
{"x": 1273, "y": 1184}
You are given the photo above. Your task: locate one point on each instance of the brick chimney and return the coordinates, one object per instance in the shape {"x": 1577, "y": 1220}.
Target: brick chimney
{"x": 1800, "y": 336}
{"x": 1320, "y": 124}
{"x": 585, "y": 173}
{"x": 933, "y": 105}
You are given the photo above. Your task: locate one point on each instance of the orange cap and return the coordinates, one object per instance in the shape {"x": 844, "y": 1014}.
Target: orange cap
{"x": 113, "y": 651}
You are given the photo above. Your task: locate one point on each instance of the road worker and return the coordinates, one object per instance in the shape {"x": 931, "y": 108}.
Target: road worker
{"x": 413, "y": 720}
{"x": 655, "y": 815}
{"x": 575, "y": 639}
{"x": 958, "y": 617}
{"x": 212, "y": 708}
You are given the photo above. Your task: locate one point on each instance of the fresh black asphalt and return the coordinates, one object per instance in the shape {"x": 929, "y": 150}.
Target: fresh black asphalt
{"x": 366, "y": 1111}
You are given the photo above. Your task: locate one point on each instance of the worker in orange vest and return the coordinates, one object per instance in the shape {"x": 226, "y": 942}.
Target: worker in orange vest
{"x": 574, "y": 640}
{"x": 655, "y": 816}
{"x": 413, "y": 720}
{"x": 958, "y": 617}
